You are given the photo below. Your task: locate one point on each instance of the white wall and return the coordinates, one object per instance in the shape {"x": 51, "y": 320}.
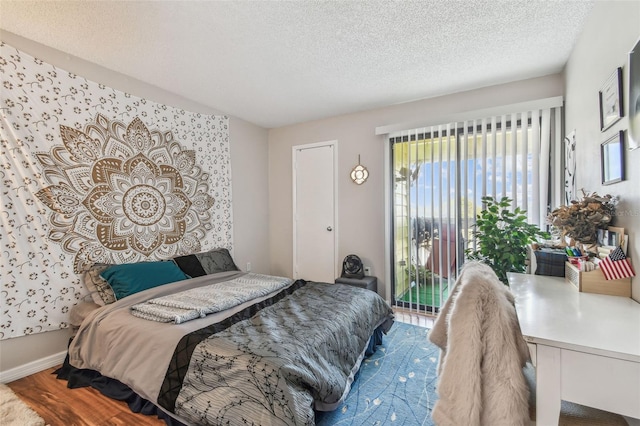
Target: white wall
{"x": 249, "y": 176}
{"x": 361, "y": 208}
{"x": 609, "y": 34}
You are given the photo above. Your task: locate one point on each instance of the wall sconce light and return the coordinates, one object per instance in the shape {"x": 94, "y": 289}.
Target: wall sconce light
{"x": 359, "y": 174}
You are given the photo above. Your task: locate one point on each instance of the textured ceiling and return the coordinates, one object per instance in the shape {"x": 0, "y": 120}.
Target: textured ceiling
{"x": 276, "y": 63}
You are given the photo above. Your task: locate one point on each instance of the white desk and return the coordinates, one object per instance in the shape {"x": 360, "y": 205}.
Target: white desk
{"x": 586, "y": 347}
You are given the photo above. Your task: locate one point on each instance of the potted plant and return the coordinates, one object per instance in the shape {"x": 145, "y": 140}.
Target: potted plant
{"x": 502, "y": 237}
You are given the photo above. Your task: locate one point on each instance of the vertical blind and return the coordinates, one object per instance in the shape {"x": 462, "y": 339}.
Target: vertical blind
{"x": 439, "y": 175}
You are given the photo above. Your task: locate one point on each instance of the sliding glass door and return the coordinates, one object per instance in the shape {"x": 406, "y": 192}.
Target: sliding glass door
{"x": 440, "y": 174}
{"x": 426, "y": 218}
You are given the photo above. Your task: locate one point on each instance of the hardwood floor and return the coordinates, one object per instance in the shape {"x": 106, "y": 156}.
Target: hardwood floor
{"x": 61, "y": 406}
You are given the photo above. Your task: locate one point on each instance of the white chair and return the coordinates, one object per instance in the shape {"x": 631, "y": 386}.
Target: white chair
{"x": 480, "y": 379}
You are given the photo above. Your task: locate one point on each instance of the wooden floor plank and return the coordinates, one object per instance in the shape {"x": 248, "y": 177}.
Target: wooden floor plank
{"x": 59, "y": 405}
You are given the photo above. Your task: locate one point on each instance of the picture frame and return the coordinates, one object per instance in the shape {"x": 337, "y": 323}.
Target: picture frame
{"x": 612, "y": 159}
{"x": 610, "y": 96}
{"x": 615, "y": 237}
{"x": 570, "y": 190}
{"x": 634, "y": 97}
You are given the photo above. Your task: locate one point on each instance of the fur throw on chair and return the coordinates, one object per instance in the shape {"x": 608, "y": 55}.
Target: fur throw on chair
{"x": 481, "y": 382}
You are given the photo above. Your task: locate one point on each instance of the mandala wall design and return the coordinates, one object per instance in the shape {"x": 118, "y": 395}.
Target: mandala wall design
{"x": 122, "y": 193}
{"x": 91, "y": 174}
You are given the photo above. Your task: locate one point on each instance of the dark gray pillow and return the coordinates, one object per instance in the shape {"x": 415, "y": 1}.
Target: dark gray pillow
{"x": 190, "y": 265}
{"x": 217, "y": 260}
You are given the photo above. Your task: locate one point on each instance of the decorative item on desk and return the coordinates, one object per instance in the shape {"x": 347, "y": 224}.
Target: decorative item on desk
{"x": 616, "y": 265}
{"x": 581, "y": 219}
{"x": 582, "y": 263}
{"x": 577, "y": 257}
{"x": 588, "y": 266}
{"x": 548, "y": 260}
{"x": 595, "y": 282}
{"x": 604, "y": 239}
{"x": 573, "y": 251}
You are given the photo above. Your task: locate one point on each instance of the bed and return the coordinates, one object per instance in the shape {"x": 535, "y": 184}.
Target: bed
{"x": 273, "y": 355}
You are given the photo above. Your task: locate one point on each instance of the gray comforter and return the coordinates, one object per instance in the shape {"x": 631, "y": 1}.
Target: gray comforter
{"x": 268, "y": 361}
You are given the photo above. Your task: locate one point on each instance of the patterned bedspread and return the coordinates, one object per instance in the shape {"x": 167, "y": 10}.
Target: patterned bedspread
{"x": 270, "y": 361}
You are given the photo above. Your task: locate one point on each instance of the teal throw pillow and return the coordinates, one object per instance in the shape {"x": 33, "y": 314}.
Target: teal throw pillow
{"x": 131, "y": 278}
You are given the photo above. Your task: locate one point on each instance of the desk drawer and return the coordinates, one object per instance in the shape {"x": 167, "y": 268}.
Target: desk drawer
{"x": 601, "y": 382}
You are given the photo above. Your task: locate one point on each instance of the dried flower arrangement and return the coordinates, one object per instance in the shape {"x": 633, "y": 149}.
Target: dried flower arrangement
{"x": 581, "y": 219}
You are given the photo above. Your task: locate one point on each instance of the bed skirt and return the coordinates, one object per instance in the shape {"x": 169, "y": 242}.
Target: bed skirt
{"x": 112, "y": 388}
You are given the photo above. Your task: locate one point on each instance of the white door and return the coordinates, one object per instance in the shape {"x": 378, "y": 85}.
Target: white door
{"x": 314, "y": 233}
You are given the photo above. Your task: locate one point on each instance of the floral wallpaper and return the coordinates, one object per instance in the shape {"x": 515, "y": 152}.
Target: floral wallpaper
{"x": 93, "y": 175}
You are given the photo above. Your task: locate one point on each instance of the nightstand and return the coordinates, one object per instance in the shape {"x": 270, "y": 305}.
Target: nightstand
{"x": 368, "y": 282}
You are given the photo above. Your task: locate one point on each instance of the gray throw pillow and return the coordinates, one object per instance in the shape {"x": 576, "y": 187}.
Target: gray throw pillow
{"x": 101, "y": 291}
{"x": 217, "y": 260}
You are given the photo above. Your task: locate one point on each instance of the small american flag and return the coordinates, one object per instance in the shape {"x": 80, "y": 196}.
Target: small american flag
{"x": 616, "y": 265}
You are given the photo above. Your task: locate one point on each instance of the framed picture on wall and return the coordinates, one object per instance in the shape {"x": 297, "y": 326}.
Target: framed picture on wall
{"x": 634, "y": 97}
{"x": 611, "y": 100}
{"x": 570, "y": 190}
{"x": 612, "y": 159}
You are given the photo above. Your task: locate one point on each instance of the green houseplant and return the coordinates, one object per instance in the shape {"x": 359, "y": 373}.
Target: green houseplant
{"x": 502, "y": 237}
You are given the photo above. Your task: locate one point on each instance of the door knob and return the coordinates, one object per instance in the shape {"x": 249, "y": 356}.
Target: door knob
{"x": 329, "y": 228}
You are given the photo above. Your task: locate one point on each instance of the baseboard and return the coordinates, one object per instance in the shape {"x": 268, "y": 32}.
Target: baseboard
{"x": 32, "y": 367}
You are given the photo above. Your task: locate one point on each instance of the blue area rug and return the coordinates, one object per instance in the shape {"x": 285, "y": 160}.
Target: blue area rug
{"x": 396, "y": 385}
